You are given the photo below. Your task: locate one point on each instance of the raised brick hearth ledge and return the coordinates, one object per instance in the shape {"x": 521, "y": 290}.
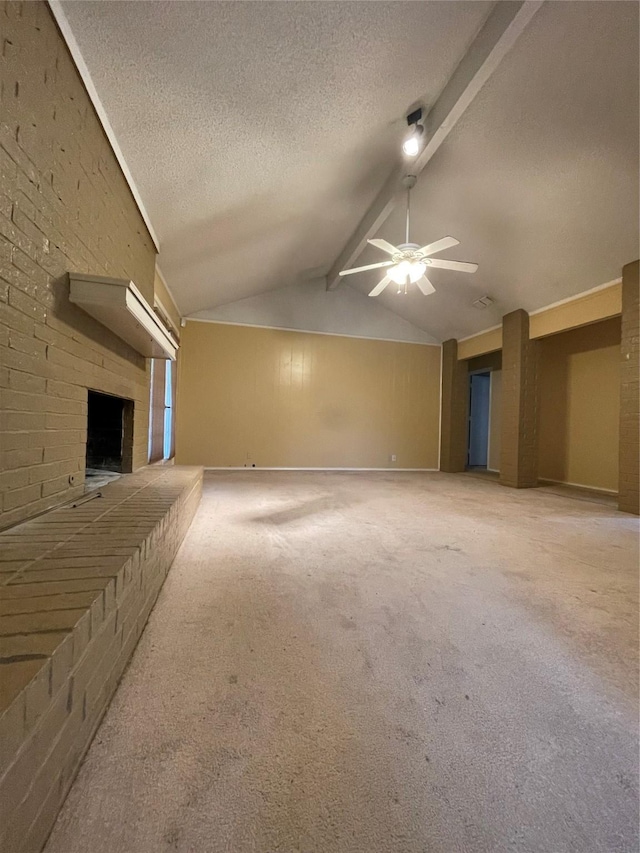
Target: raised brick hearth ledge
{"x": 77, "y": 586}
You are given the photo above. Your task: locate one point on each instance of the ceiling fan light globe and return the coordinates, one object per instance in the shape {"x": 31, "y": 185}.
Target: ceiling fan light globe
{"x": 412, "y": 270}
{"x": 416, "y": 272}
{"x": 399, "y": 273}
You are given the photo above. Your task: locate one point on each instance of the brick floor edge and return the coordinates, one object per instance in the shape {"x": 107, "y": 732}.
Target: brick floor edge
{"x": 77, "y": 586}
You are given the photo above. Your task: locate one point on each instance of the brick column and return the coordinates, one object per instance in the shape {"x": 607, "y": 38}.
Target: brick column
{"x": 629, "y": 469}
{"x": 519, "y": 433}
{"x": 455, "y": 401}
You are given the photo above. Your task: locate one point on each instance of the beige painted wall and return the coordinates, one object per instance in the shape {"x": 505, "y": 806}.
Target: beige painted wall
{"x": 290, "y": 399}
{"x": 480, "y": 344}
{"x": 584, "y": 309}
{"x": 579, "y": 405}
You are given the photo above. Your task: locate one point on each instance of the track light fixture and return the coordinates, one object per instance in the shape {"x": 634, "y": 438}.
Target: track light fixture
{"x": 413, "y": 141}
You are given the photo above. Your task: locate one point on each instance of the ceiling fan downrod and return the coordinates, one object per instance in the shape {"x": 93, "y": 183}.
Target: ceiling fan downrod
{"x": 409, "y": 181}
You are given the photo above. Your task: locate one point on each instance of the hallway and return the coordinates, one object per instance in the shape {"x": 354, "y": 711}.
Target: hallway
{"x": 376, "y": 663}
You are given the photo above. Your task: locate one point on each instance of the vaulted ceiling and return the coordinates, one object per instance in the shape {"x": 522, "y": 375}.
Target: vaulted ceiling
{"x": 258, "y": 135}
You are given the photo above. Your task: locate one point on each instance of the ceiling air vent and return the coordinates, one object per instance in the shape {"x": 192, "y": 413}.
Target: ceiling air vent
{"x": 483, "y": 302}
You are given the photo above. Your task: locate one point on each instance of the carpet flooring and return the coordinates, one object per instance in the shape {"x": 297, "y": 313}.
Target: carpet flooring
{"x": 368, "y": 663}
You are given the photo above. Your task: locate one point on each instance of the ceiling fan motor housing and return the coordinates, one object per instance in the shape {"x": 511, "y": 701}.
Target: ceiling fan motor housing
{"x": 410, "y": 252}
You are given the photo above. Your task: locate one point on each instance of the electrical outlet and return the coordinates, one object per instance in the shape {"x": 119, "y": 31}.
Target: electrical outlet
{"x": 394, "y": 458}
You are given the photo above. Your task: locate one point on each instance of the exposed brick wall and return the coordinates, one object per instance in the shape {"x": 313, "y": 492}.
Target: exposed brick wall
{"x": 64, "y": 206}
{"x": 455, "y": 405}
{"x": 629, "y": 471}
{"x": 519, "y": 416}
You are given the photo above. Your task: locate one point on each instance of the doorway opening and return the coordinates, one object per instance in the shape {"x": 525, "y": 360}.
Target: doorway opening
{"x": 479, "y": 419}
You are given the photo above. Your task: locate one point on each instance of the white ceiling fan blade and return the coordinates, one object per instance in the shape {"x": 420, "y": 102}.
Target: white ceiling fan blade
{"x": 425, "y": 285}
{"x": 460, "y": 266}
{"x": 380, "y": 286}
{"x": 379, "y": 243}
{"x": 438, "y": 246}
{"x": 368, "y": 267}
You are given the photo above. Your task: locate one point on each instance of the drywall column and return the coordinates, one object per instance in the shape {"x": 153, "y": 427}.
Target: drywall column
{"x": 629, "y": 469}
{"x": 455, "y": 401}
{"x": 519, "y": 440}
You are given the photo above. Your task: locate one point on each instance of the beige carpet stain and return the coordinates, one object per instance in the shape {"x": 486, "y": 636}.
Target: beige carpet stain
{"x": 420, "y": 663}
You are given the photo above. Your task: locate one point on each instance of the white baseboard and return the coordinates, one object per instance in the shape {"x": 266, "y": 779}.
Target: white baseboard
{"x": 245, "y": 468}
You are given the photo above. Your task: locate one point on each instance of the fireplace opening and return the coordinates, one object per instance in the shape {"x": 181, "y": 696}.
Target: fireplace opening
{"x": 109, "y": 438}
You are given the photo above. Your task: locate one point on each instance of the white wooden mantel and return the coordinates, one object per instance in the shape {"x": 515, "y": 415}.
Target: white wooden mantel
{"x": 119, "y": 305}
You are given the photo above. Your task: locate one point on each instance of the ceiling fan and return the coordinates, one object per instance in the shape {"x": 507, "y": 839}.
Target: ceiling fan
{"x": 409, "y": 261}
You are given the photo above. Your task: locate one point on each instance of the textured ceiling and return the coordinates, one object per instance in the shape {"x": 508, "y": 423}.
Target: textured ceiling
{"x": 308, "y": 306}
{"x": 258, "y": 134}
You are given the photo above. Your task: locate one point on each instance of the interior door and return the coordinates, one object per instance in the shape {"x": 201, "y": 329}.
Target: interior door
{"x": 479, "y": 391}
